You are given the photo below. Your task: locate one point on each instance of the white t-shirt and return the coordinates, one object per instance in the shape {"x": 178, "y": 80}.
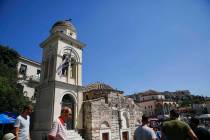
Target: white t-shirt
{"x": 145, "y": 133}
{"x": 58, "y": 130}
{"x": 23, "y": 125}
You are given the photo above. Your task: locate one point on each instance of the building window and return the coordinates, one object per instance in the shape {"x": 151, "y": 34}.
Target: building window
{"x": 62, "y": 31}
{"x": 38, "y": 72}
{"x": 73, "y": 69}
{"x": 23, "y": 69}
{"x": 65, "y": 61}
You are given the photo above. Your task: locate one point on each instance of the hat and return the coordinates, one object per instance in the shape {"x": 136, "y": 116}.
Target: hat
{"x": 9, "y": 136}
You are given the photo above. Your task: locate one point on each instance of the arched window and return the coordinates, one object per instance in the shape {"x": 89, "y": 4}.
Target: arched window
{"x": 104, "y": 125}
{"x": 125, "y": 121}
{"x": 65, "y": 64}
{"x": 73, "y": 69}
{"x": 35, "y": 95}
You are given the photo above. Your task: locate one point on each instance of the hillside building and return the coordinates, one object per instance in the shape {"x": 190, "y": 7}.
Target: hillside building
{"x": 29, "y": 76}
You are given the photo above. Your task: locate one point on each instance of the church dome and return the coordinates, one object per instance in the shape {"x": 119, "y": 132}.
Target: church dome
{"x": 66, "y": 24}
{"x": 98, "y": 86}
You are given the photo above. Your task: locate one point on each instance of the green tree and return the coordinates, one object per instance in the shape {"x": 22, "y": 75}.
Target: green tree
{"x": 11, "y": 95}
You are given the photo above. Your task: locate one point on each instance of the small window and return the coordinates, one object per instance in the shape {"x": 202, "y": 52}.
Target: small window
{"x": 35, "y": 95}
{"x": 23, "y": 69}
{"x": 38, "y": 72}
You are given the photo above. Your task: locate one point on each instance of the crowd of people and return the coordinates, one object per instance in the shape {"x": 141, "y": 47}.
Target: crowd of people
{"x": 22, "y": 126}
{"x": 172, "y": 129}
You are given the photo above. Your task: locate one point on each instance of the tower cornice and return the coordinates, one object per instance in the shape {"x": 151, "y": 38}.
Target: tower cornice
{"x": 61, "y": 36}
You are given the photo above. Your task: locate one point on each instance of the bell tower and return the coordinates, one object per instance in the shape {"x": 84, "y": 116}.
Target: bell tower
{"x": 62, "y": 55}
{"x": 61, "y": 78}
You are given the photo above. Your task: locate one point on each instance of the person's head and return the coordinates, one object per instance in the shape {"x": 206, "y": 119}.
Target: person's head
{"x": 27, "y": 109}
{"x": 66, "y": 113}
{"x": 155, "y": 128}
{"x": 145, "y": 119}
{"x": 174, "y": 114}
{"x": 194, "y": 122}
{"x": 9, "y": 136}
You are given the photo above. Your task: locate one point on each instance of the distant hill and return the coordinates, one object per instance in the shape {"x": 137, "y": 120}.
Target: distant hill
{"x": 182, "y": 97}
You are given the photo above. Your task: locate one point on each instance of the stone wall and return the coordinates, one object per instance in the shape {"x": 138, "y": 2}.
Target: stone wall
{"x": 117, "y": 115}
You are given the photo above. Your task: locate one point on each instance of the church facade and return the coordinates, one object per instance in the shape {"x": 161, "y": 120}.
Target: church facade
{"x": 99, "y": 111}
{"x": 108, "y": 114}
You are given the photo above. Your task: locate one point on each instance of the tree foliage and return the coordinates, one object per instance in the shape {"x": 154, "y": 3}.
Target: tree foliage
{"x": 11, "y": 95}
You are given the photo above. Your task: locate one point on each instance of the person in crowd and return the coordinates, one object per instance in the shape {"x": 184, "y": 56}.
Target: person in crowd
{"x": 58, "y": 131}
{"x": 157, "y": 132}
{"x": 175, "y": 129}
{"x": 202, "y": 133}
{"x": 22, "y": 124}
{"x": 144, "y": 132}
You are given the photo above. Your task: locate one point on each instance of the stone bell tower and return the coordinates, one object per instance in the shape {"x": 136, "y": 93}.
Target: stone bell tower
{"x": 61, "y": 79}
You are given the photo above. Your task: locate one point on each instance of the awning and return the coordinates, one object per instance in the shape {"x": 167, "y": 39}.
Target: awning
{"x": 4, "y": 119}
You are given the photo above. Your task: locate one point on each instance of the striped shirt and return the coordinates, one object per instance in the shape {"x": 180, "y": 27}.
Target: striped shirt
{"x": 58, "y": 130}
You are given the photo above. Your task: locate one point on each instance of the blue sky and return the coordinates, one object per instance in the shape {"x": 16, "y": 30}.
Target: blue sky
{"x": 132, "y": 45}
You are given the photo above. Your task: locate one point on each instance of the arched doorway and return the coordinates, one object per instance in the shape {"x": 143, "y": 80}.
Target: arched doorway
{"x": 68, "y": 100}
